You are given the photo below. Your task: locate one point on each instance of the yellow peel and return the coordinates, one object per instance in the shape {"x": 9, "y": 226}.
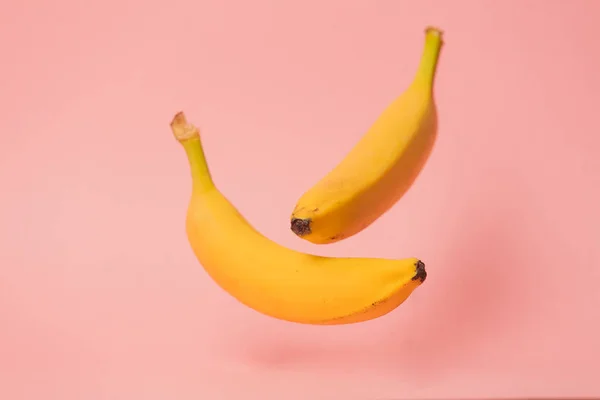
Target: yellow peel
{"x": 381, "y": 167}
{"x": 277, "y": 281}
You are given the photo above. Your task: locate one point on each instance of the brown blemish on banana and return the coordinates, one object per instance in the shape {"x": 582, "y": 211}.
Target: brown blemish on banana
{"x": 336, "y": 237}
{"x": 421, "y": 273}
{"x": 364, "y": 310}
{"x": 301, "y": 226}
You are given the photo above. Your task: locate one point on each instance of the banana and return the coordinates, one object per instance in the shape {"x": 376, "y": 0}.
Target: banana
{"x": 277, "y": 281}
{"x": 381, "y": 167}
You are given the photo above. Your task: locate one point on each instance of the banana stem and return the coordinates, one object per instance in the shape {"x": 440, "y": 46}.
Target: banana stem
{"x": 430, "y": 56}
{"x": 189, "y": 137}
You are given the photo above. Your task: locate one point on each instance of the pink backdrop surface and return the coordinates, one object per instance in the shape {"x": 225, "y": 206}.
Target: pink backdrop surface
{"x": 100, "y": 295}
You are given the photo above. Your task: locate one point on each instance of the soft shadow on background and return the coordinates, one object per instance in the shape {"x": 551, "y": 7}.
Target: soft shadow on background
{"x": 478, "y": 279}
{"x": 100, "y": 295}
{"x": 482, "y": 279}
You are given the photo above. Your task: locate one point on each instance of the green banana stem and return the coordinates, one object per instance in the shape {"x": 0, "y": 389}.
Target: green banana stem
{"x": 429, "y": 58}
{"x": 189, "y": 137}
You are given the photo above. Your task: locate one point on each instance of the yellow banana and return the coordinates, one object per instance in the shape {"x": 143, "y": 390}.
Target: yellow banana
{"x": 277, "y": 281}
{"x": 381, "y": 167}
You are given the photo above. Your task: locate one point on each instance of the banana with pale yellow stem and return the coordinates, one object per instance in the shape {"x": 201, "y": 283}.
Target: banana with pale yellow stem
{"x": 277, "y": 281}
{"x": 381, "y": 167}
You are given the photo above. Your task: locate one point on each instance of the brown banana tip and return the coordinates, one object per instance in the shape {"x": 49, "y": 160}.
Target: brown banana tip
{"x": 434, "y": 31}
{"x": 182, "y": 129}
{"x": 420, "y": 273}
{"x": 300, "y": 226}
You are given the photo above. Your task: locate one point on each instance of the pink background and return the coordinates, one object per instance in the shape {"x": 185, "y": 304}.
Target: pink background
{"x": 100, "y": 295}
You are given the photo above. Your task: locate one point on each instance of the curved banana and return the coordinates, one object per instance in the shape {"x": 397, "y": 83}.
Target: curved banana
{"x": 381, "y": 167}
{"x": 277, "y": 281}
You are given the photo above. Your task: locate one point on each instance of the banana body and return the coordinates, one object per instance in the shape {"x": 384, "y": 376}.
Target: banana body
{"x": 381, "y": 167}
{"x": 277, "y": 281}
